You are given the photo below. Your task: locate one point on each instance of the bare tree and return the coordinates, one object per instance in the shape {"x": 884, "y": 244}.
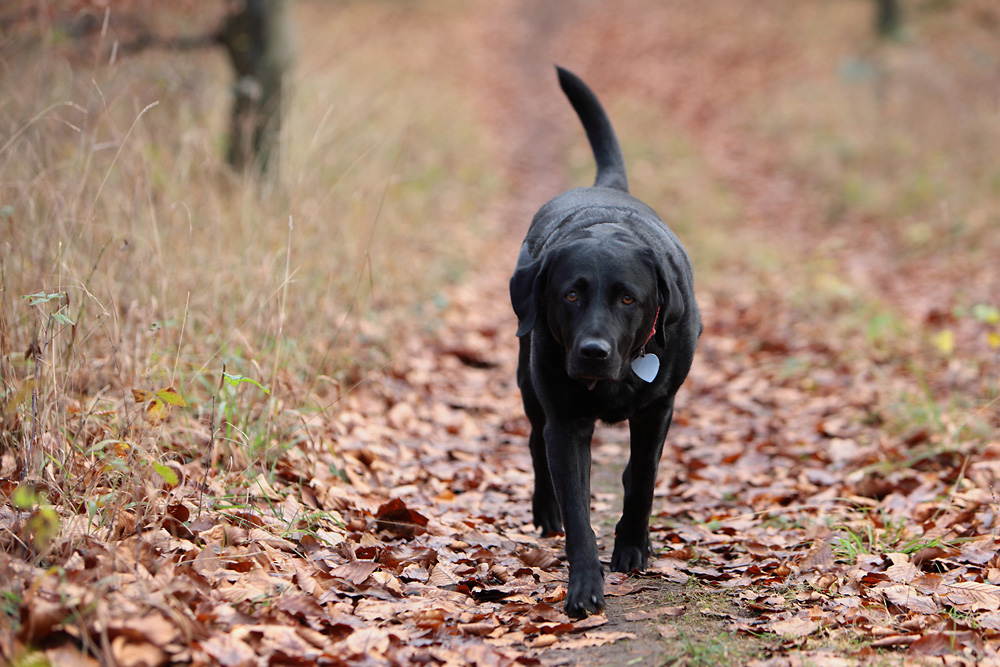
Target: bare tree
{"x": 888, "y": 18}
{"x": 257, "y": 37}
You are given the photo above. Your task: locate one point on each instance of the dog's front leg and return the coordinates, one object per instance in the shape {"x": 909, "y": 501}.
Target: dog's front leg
{"x": 647, "y": 432}
{"x": 568, "y": 449}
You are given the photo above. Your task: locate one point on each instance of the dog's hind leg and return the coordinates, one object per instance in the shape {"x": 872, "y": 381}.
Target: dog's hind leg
{"x": 647, "y": 433}
{"x": 544, "y": 507}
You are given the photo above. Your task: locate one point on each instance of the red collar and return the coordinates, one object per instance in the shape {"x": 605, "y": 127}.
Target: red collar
{"x": 655, "y": 317}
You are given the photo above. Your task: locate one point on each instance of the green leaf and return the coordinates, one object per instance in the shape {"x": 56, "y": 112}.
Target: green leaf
{"x": 59, "y": 317}
{"x": 24, "y": 497}
{"x": 166, "y": 472}
{"x": 44, "y": 525}
{"x": 169, "y": 395}
{"x": 987, "y": 313}
{"x": 41, "y": 297}
{"x": 235, "y": 380}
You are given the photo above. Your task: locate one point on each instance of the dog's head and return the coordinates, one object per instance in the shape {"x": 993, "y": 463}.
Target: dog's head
{"x": 601, "y": 300}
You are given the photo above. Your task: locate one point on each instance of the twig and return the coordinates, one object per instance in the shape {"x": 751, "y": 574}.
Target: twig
{"x": 180, "y": 339}
{"x": 281, "y": 328}
{"x": 211, "y": 440}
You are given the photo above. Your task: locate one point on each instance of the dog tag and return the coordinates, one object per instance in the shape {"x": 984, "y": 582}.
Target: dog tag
{"x": 646, "y": 367}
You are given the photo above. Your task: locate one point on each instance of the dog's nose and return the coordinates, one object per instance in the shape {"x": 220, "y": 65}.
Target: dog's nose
{"x": 595, "y": 348}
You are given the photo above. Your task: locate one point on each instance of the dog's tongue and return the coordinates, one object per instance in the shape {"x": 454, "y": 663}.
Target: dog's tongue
{"x": 646, "y": 367}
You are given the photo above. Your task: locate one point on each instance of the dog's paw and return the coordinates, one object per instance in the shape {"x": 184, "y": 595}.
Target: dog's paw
{"x": 586, "y": 593}
{"x": 546, "y": 517}
{"x": 626, "y": 558}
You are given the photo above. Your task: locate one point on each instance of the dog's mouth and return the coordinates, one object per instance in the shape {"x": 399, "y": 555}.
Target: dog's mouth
{"x": 590, "y": 374}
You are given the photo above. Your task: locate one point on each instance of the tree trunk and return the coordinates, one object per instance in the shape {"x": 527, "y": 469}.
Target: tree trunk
{"x": 257, "y": 37}
{"x": 888, "y": 18}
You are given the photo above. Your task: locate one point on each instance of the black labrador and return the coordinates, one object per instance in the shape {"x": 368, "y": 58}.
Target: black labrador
{"x": 604, "y": 297}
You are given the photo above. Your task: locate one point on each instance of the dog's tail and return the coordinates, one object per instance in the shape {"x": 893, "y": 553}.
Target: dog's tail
{"x": 604, "y": 143}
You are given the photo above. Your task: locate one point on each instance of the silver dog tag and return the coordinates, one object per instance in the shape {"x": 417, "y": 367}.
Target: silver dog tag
{"x": 646, "y": 367}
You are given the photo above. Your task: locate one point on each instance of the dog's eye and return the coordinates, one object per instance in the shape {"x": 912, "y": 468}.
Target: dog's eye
{"x": 571, "y": 296}
{"x": 628, "y": 300}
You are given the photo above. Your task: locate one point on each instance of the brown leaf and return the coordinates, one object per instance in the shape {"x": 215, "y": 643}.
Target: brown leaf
{"x": 819, "y": 558}
{"x": 903, "y": 573}
{"x": 979, "y": 552}
{"x": 355, "y": 572}
{"x": 282, "y": 640}
{"x": 989, "y": 621}
{"x": 757, "y": 549}
{"x": 303, "y": 607}
{"x": 544, "y": 641}
{"x": 929, "y": 583}
{"x": 395, "y": 517}
{"x": 617, "y": 584}
{"x": 589, "y": 623}
{"x": 908, "y": 598}
{"x": 152, "y": 628}
{"x": 545, "y": 612}
{"x": 69, "y": 655}
{"x": 970, "y": 595}
{"x": 229, "y": 651}
{"x": 655, "y": 613}
{"x": 895, "y": 640}
{"x": 599, "y": 638}
{"x": 940, "y": 644}
{"x": 478, "y": 629}
{"x": 40, "y": 615}
{"x": 543, "y": 559}
{"x": 369, "y": 641}
{"x": 133, "y": 654}
{"x": 928, "y": 554}
{"x": 794, "y": 627}
{"x": 443, "y": 575}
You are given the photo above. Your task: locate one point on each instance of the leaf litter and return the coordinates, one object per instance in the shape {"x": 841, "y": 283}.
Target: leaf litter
{"x": 396, "y": 529}
{"x": 401, "y": 535}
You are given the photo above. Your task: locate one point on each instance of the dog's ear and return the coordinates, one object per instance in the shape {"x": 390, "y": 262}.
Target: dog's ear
{"x": 526, "y": 292}
{"x": 671, "y": 303}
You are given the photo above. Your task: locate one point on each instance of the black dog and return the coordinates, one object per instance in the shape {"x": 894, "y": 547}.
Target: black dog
{"x": 604, "y": 297}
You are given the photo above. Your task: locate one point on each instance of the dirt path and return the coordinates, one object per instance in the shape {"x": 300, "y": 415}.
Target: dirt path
{"x": 532, "y": 119}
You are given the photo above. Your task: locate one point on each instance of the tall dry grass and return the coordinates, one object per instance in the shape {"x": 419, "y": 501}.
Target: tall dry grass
{"x": 132, "y": 261}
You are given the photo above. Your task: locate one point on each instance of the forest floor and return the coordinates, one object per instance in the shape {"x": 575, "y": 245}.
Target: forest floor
{"x": 827, "y": 493}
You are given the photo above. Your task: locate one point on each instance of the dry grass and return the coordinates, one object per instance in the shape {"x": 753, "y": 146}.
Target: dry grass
{"x": 153, "y": 266}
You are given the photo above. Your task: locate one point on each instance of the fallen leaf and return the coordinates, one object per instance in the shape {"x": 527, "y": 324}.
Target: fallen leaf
{"x": 794, "y": 627}
{"x": 969, "y": 595}
{"x": 908, "y": 598}
{"x": 675, "y": 610}
{"x": 229, "y": 651}
{"x": 590, "y": 639}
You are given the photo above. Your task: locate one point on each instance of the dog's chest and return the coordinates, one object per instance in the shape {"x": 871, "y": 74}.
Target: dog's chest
{"x": 617, "y": 401}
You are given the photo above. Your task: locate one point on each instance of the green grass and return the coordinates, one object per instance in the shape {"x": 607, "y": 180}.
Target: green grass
{"x": 721, "y": 650}
{"x": 866, "y": 536}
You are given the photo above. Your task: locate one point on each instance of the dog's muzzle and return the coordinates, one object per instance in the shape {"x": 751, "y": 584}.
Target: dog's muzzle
{"x": 593, "y": 359}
